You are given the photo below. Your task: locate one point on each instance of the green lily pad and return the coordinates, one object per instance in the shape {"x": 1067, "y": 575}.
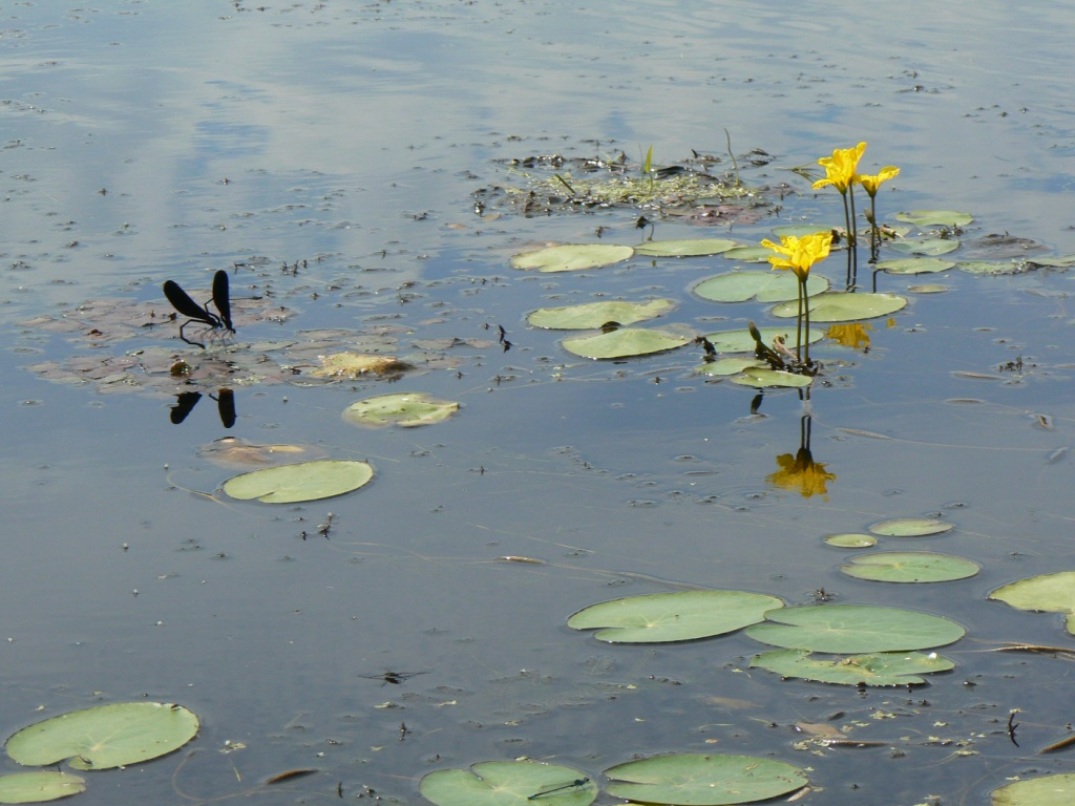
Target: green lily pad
{"x": 1049, "y": 790}
{"x": 683, "y": 616}
{"x": 854, "y": 629}
{"x": 724, "y": 367}
{"x": 936, "y": 218}
{"x": 765, "y": 286}
{"x": 1048, "y": 593}
{"x": 910, "y": 527}
{"x": 990, "y": 267}
{"x": 877, "y": 669}
{"x": 750, "y": 254}
{"x": 106, "y": 736}
{"x": 1065, "y": 262}
{"x": 39, "y": 787}
{"x": 915, "y": 265}
{"x": 688, "y": 247}
{"x": 625, "y": 342}
{"x": 710, "y": 779}
{"x": 740, "y": 341}
{"x": 910, "y": 566}
{"x": 306, "y": 481}
{"x": 572, "y": 257}
{"x": 406, "y": 409}
{"x": 851, "y": 541}
{"x": 509, "y": 783}
{"x": 766, "y": 377}
{"x": 843, "y": 307}
{"x": 592, "y": 315}
{"x": 926, "y": 246}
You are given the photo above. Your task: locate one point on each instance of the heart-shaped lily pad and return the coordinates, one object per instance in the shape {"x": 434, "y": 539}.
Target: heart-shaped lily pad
{"x": 306, "y": 481}
{"x": 851, "y": 541}
{"x": 709, "y": 779}
{"x": 1048, "y": 593}
{"x": 509, "y": 783}
{"x": 572, "y": 257}
{"x": 682, "y": 616}
{"x": 592, "y": 315}
{"x": 39, "y": 787}
{"x": 405, "y": 409}
{"x": 878, "y": 669}
{"x": 740, "y": 341}
{"x": 926, "y": 246}
{"x": 625, "y": 343}
{"x": 854, "y": 629}
{"x": 688, "y": 247}
{"x": 910, "y": 566}
{"x": 765, "y": 286}
{"x": 106, "y": 736}
{"x": 1048, "y": 790}
{"x": 844, "y": 307}
{"x": 936, "y": 218}
{"x": 910, "y": 527}
{"x": 915, "y": 265}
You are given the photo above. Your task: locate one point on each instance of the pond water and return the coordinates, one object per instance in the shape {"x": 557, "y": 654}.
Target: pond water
{"x": 330, "y": 156}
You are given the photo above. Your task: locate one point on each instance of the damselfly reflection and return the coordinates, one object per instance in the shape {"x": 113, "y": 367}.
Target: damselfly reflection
{"x": 186, "y": 401}
{"x": 554, "y": 788}
{"x": 182, "y": 302}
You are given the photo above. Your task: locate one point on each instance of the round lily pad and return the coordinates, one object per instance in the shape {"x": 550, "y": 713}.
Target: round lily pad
{"x": 854, "y": 629}
{"x": 927, "y": 246}
{"x": 509, "y": 783}
{"x": 910, "y": 527}
{"x": 1064, "y": 262}
{"x": 728, "y": 366}
{"x": 106, "y": 736}
{"x": 406, "y": 409}
{"x": 749, "y": 254}
{"x": 851, "y": 541}
{"x": 910, "y": 566}
{"x": 877, "y": 669}
{"x": 592, "y": 315}
{"x": 688, "y": 247}
{"x": 740, "y": 341}
{"x": 936, "y": 218}
{"x": 39, "y": 787}
{"x": 709, "y": 779}
{"x": 843, "y": 306}
{"x": 915, "y": 265}
{"x": 765, "y": 377}
{"x": 624, "y": 343}
{"x": 765, "y": 286}
{"x": 307, "y": 481}
{"x": 1048, "y": 790}
{"x": 1048, "y": 593}
{"x": 683, "y": 616}
{"x": 572, "y": 257}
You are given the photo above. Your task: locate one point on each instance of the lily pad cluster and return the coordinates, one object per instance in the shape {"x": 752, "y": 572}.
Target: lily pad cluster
{"x": 100, "y": 738}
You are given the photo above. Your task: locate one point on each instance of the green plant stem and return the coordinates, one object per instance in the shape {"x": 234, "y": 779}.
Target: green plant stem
{"x": 804, "y": 313}
{"x": 875, "y": 231}
{"x": 847, "y": 231}
{"x": 853, "y": 240}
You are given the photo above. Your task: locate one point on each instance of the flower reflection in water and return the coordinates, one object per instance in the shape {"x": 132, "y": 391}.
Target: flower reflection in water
{"x": 800, "y": 472}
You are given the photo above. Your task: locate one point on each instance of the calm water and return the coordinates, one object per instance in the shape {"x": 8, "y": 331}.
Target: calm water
{"x": 146, "y": 141}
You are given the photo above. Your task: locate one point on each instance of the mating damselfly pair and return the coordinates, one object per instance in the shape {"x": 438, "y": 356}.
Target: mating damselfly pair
{"x": 184, "y": 304}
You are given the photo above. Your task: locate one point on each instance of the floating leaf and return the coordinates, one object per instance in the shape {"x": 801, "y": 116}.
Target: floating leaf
{"x": 750, "y": 254}
{"x": 508, "y": 783}
{"x": 406, "y": 409}
{"x": 910, "y": 566}
{"x": 765, "y": 377}
{"x": 625, "y": 342}
{"x": 106, "y": 736}
{"x": 710, "y": 779}
{"x": 843, "y": 307}
{"x": 1048, "y": 593}
{"x": 927, "y": 246}
{"x": 593, "y": 315}
{"x": 684, "y": 616}
{"x": 854, "y": 629}
{"x": 765, "y": 286}
{"x": 39, "y": 787}
{"x": 910, "y": 527}
{"x": 1049, "y": 790}
{"x": 851, "y": 541}
{"x": 877, "y": 669}
{"x": 990, "y": 267}
{"x": 915, "y": 265}
{"x": 1065, "y": 262}
{"x": 728, "y": 366}
{"x": 928, "y": 288}
{"x": 936, "y": 218}
{"x": 307, "y": 481}
{"x": 740, "y": 341}
{"x": 692, "y": 247}
{"x": 359, "y": 365}
{"x": 572, "y": 257}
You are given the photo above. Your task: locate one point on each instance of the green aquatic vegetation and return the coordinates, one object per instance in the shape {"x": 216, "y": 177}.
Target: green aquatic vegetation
{"x": 1046, "y": 790}
{"x": 39, "y": 787}
{"x": 686, "y": 247}
{"x": 626, "y": 342}
{"x": 572, "y": 257}
{"x": 910, "y": 566}
{"x": 594, "y": 315}
{"x": 910, "y": 527}
{"x": 306, "y": 481}
{"x": 509, "y": 783}
{"x": 405, "y": 409}
{"x": 1047, "y": 593}
{"x": 876, "y": 669}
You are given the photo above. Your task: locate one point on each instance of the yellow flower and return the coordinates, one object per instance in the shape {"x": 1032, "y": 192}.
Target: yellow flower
{"x": 799, "y": 254}
{"x": 871, "y": 183}
{"x": 841, "y": 169}
{"x": 802, "y": 474}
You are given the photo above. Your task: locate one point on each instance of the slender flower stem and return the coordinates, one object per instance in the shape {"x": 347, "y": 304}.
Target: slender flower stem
{"x": 875, "y": 231}
{"x": 853, "y": 240}
{"x": 799, "y": 323}
{"x": 804, "y": 313}
{"x": 847, "y": 229}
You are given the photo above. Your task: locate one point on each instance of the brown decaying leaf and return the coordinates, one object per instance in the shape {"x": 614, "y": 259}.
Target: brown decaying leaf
{"x": 290, "y": 775}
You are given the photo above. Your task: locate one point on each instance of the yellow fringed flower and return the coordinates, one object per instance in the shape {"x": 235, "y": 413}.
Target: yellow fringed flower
{"x": 872, "y": 182}
{"x": 841, "y": 169}
{"x": 799, "y": 254}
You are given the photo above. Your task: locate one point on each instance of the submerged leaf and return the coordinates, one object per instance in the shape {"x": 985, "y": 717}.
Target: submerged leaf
{"x": 105, "y": 736}
{"x": 684, "y": 616}
{"x": 572, "y": 257}
{"x": 307, "y": 481}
